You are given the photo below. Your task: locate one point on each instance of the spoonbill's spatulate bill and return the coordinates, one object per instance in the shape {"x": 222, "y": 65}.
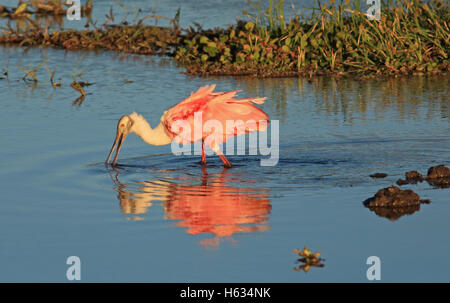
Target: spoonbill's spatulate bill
{"x": 201, "y": 108}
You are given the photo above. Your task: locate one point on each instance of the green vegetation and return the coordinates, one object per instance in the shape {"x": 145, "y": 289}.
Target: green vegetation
{"x": 411, "y": 37}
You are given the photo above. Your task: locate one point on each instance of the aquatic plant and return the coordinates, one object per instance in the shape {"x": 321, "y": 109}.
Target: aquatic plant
{"x": 308, "y": 259}
{"x": 31, "y": 73}
{"x": 77, "y": 84}
{"x": 52, "y": 75}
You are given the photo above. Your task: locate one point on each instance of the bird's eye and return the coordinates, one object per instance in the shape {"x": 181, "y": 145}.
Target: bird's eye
{"x": 122, "y": 125}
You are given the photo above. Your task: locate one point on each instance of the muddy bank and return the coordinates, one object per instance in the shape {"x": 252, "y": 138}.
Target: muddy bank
{"x": 137, "y": 39}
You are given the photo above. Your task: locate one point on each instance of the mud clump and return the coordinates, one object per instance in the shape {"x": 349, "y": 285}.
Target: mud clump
{"x": 411, "y": 177}
{"x": 393, "y": 197}
{"x": 439, "y": 176}
{"x": 378, "y": 175}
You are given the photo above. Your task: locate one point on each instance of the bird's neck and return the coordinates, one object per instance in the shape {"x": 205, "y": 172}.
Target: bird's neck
{"x": 153, "y": 136}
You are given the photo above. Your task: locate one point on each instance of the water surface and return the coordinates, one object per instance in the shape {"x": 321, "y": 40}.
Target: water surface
{"x": 158, "y": 217}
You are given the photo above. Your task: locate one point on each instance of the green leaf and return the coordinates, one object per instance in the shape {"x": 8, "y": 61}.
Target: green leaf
{"x": 286, "y": 48}
{"x": 21, "y": 8}
{"x": 303, "y": 42}
{"x": 249, "y": 26}
{"x": 212, "y": 51}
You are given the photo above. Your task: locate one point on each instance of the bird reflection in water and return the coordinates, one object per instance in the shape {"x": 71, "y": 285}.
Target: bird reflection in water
{"x": 212, "y": 206}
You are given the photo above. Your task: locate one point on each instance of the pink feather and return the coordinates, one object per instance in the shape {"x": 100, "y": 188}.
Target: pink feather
{"x": 219, "y": 106}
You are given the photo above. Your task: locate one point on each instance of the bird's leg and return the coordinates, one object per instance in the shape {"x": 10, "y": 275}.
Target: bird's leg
{"x": 217, "y": 150}
{"x": 203, "y": 153}
{"x": 226, "y": 163}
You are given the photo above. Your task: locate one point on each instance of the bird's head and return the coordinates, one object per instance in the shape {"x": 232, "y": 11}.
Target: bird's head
{"x": 124, "y": 127}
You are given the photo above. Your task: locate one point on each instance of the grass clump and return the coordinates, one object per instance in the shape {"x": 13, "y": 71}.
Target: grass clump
{"x": 410, "y": 37}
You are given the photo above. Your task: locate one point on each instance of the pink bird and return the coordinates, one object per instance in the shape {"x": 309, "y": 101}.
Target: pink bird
{"x": 202, "y": 116}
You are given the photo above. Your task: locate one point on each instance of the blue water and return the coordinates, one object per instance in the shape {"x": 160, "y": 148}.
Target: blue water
{"x": 158, "y": 217}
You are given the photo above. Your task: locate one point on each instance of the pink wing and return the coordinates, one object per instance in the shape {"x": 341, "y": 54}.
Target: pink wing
{"x": 222, "y": 116}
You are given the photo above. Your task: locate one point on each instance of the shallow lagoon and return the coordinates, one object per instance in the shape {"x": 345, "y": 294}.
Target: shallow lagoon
{"x": 162, "y": 218}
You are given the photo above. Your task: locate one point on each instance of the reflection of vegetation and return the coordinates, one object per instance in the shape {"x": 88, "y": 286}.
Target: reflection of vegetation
{"x": 209, "y": 206}
{"x": 309, "y": 259}
{"x": 411, "y": 97}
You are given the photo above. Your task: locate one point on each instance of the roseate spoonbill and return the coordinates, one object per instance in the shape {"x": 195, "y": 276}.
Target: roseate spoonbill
{"x": 216, "y": 106}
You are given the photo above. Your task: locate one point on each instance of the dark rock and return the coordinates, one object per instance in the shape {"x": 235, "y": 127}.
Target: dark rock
{"x": 393, "y": 197}
{"x": 411, "y": 177}
{"x": 439, "y": 176}
{"x": 440, "y": 171}
{"x": 378, "y": 175}
{"x": 401, "y": 182}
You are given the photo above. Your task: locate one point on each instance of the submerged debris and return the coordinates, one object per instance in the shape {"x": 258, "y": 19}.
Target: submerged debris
{"x": 378, "y": 175}
{"x": 309, "y": 259}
